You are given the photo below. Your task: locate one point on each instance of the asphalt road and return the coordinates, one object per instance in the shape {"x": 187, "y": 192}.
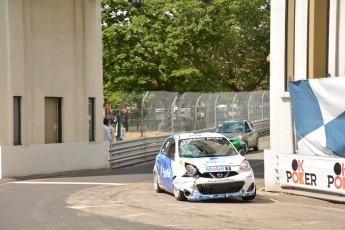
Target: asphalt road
{"x": 125, "y": 199}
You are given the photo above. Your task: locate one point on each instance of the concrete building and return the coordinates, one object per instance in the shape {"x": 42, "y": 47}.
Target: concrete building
{"x": 306, "y": 42}
{"x": 51, "y": 89}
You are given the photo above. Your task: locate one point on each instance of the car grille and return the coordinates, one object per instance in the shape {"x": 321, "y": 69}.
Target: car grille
{"x": 216, "y": 175}
{"x": 220, "y": 188}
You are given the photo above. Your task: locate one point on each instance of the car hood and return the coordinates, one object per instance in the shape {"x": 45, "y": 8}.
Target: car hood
{"x": 231, "y": 135}
{"x": 208, "y": 164}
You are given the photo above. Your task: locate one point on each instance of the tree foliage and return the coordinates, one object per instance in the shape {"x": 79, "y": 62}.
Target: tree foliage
{"x": 185, "y": 45}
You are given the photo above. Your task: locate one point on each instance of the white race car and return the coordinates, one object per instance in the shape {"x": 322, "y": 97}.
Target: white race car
{"x": 200, "y": 166}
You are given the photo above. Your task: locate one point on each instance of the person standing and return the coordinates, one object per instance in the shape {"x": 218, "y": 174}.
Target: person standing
{"x": 106, "y": 130}
{"x": 125, "y": 121}
{"x": 112, "y": 132}
{"x": 119, "y": 120}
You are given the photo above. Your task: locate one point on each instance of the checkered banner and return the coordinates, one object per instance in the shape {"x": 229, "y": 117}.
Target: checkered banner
{"x": 319, "y": 115}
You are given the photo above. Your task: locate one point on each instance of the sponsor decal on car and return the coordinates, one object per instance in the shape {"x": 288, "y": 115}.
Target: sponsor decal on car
{"x": 165, "y": 172}
{"x": 220, "y": 180}
{"x": 218, "y": 168}
{"x": 215, "y": 160}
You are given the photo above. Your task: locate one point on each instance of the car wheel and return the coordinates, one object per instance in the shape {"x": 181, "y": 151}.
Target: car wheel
{"x": 156, "y": 183}
{"x": 252, "y": 197}
{"x": 256, "y": 147}
{"x": 179, "y": 194}
{"x": 246, "y": 148}
{"x": 242, "y": 152}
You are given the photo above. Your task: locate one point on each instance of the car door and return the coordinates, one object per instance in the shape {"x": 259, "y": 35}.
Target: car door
{"x": 251, "y": 135}
{"x": 165, "y": 162}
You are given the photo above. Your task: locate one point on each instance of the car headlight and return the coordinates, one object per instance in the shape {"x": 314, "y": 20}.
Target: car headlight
{"x": 191, "y": 170}
{"x": 239, "y": 137}
{"x": 245, "y": 166}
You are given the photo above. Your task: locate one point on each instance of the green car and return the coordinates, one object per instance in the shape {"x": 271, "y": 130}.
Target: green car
{"x": 242, "y": 135}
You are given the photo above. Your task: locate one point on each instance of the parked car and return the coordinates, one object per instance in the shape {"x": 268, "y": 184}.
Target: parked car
{"x": 242, "y": 135}
{"x": 201, "y": 166}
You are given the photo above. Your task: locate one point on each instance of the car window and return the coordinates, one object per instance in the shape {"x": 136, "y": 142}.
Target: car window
{"x": 232, "y": 128}
{"x": 166, "y": 146}
{"x": 239, "y": 128}
{"x": 169, "y": 148}
{"x": 206, "y": 147}
{"x": 250, "y": 125}
{"x": 247, "y": 126}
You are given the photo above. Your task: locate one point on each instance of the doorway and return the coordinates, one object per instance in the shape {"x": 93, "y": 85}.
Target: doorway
{"x": 53, "y": 120}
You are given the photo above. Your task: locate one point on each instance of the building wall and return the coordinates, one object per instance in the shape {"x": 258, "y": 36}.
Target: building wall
{"x": 50, "y": 48}
{"x": 281, "y": 127}
{"x": 336, "y": 38}
{"x": 280, "y": 113}
{"x": 4, "y": 73}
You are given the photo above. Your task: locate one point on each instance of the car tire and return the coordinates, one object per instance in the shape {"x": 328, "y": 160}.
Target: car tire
{"x": 256, "y": 147}
{"x": 179, "y": 195}
{"x": 248, "y": 198}
{"x": 246, "y": 148}
{"x": 242, "y": 152}
{"x": 156, "y": 183}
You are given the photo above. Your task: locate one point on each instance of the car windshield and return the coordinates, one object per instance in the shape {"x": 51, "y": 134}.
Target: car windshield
{"x": 206, "y": 147}
{"x": 231, "y": 128}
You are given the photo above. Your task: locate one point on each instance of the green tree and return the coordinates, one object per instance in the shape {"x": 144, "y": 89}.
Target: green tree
{"x": 185, "y": 45}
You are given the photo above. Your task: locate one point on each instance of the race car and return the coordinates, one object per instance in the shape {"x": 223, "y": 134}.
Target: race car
{"x": 201, "y": 166}
{"x": 242, "y": 135}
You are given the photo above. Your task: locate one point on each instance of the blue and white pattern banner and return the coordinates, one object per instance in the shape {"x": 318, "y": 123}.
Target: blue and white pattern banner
{"x": 319, "y": 115}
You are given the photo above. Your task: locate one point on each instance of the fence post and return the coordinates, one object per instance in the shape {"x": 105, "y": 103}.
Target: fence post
{"x": 215, "y": 111}
{"x": 196, "y": 111}
{"x": 262, "y": 105}
{"x": 142, "y": 113}
{"x": 250, "y": 98}
{"x": 172, "y": 113}
{"x": 233, "y": 106}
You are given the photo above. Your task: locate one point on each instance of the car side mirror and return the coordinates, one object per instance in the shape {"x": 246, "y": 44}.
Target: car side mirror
{"x": 249, "y": 130}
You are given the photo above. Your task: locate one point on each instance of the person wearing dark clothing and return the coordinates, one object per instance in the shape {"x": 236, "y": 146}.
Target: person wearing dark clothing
{"x": 119, "y": 119}
{"x": 125, "y": 121}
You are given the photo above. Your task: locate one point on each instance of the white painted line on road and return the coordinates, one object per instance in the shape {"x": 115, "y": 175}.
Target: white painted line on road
{"x": 91, "y": 206}
{"x": 135, "y": 215}
{"x": 66, "y": 183}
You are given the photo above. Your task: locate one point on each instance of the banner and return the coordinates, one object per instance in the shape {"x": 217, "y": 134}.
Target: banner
{"x": 319, "y": 115}
{"x": 316, "y": 173}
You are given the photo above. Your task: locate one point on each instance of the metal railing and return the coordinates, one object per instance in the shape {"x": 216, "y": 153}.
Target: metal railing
{"x": 145, "y": 149}
{"x": 161, "y": 111}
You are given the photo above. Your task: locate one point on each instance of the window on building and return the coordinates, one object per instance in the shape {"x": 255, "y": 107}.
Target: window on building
{"x": 91, "y": 109}
{"x": 318, "y": 38}
{"x": 17, "y": 120}
{"x": 53, "y": 121}
{"x": 290, "y": 42}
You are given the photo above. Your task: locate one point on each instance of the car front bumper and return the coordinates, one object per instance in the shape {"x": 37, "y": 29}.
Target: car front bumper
{"x": 239, "y": 144}
{"x": 201, "y": 188}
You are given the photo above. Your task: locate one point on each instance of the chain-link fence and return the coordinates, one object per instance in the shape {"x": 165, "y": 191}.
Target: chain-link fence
{"x": 158, "y": 112}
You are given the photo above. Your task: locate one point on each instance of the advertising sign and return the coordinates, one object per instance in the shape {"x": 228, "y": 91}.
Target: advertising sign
{"x": 318, "y": 173}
